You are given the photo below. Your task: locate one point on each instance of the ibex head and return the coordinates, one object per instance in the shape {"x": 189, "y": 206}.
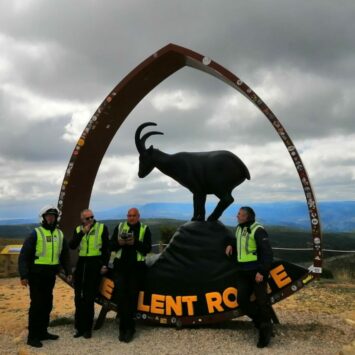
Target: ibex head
{"x": 146, "y": 164}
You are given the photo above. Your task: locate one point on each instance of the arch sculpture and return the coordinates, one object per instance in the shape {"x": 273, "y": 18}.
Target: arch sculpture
{"x": 90, "y": 149}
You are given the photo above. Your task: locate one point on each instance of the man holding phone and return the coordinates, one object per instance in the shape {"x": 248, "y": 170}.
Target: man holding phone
{"x": 132, "y": 241}
{"x": 92, "y": 239}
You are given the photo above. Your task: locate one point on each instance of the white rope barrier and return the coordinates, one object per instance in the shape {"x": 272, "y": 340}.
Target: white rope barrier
{"x": 294, "y": 249}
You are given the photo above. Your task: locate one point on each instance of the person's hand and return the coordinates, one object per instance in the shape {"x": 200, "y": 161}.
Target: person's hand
{"x": 103, "y": 270}
{"x": 259, "y": 277}
{"x": 121, "y": 241}
{"x": 87, "y": 227}
{"x": 69, "y": 278}
{"x": 130, "y": 241}
{"x": 24, "y": 282}
{"x": 229, "y": 250}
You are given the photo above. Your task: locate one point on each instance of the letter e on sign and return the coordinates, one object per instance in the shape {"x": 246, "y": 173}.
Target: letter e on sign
{"x": 280, "y": 277}
{"x": 157, "y": 304}
{"x": 106, "y": 287}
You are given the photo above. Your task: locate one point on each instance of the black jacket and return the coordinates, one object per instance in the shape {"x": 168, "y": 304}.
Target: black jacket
{"x": 129, "y": 252}
{"x": 27, "y": 257}
{"x": 263, "y": 249}
{"x": 105, "y": 252}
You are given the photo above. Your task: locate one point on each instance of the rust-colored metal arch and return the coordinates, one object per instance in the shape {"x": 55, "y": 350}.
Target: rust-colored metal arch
{"x": 90, "y": 149}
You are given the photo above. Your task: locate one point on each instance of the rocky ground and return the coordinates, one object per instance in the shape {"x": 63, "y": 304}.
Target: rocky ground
{"x": 320, "y": 319}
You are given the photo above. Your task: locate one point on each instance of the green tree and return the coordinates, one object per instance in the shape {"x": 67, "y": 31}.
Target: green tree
{"x": 166, "y": 233}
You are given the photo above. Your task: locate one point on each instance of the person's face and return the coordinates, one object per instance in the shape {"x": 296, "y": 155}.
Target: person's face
{"x": 133, "y": 216}
{"x": 87, "y": 217}
{"x": 242, "y": 216}
{"x": 50, "y": 219}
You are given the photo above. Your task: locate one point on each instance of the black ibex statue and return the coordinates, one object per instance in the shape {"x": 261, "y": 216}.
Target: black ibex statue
{"x": 217, "y": 172}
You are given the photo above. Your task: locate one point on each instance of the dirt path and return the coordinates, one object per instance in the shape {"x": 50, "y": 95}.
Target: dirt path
{"x": 317, "y": 320}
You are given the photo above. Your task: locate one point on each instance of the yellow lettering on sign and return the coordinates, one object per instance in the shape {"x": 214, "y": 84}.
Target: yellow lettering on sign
{"x": 230, "y": 291}
{"x": 161, "y": 304}
{"x": 141, "y": 306}
{"x": 173, "y": 305}
{"x": 189, "y": 300}
{"x": 214, "y": 301}
{"x": 157, "y": 304}
{"x": 280, "y": 276}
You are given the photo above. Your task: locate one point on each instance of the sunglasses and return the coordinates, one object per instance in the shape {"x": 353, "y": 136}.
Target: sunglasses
{"x": 88, "y": 218}
{"x": 131, "y": 215}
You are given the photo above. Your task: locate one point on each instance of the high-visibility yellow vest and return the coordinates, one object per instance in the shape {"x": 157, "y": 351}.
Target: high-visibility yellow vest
{"x": 124, "y": 228}
{"x": 246, "y": 244}
{"x": 49, "y": 246}
{"x": 91, "y": 243}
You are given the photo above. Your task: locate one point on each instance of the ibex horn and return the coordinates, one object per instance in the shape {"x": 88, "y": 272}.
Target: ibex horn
{"x": 140, "y": 142}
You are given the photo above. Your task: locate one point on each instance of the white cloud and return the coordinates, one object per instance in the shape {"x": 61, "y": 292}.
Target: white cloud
{"x": 117, "y": 175}
{"x": 24, "y": 181}
{"x": 331, "y": 160}
{"x": 230, "y": 107}
{"x": 22, "y": 5}
{"x": 178, "y": 99}
{"x": 79, "y": 119}
{"x": 36, "y": 107}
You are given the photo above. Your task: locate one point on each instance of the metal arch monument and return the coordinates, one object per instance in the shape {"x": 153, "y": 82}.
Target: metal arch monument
{"x": 89, "y": 151}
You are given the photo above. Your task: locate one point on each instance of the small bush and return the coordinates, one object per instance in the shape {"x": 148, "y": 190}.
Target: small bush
{"x": 61, "y": 321}
{"x": 166, "y": 233}
{"x": 327, "y": 274}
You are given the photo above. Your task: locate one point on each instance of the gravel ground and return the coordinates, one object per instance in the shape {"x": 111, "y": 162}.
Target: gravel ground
{"x": 298, "y": 334}
{"x": 317, "y": 320}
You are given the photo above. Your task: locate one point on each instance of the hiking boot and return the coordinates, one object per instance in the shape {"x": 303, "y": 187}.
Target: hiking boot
{"x": 49, "y": 336}
{"x": 265, "y": 333}
{"x": 87, "y": 334}
{"x": 122, "y": 336}
{"x": 78, "y": 334}
{"x": 129, "y": 335}
{"x": 36, "y": 343}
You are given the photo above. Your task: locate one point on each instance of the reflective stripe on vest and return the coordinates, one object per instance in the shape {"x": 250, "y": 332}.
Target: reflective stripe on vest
{"x": 49, "y": 246}
{"x": 124, "y": 228}
{"x": 246, "y": 244}
{"x": 91, "y": 243}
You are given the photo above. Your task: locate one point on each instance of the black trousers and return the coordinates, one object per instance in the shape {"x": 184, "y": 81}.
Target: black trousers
{"x": 127, "y": 286}
{"x": 86, "y": 284}
{"x": 259, "y": 311}
{"x": 41, "y": 294}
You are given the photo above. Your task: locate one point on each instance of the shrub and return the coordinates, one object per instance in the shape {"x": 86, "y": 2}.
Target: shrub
{"x": 61, "y": 321}
{"x": 166, "y": 233}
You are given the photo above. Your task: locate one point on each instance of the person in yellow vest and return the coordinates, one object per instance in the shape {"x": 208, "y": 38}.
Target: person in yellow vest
{"x": 132, "y": 241}
{"x": 253, "y": 254}
{"x": 40, "y": 257}
{"x": 92, "y": 238}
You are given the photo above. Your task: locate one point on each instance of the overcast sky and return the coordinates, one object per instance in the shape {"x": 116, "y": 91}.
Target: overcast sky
{"x": 59, "y": 60}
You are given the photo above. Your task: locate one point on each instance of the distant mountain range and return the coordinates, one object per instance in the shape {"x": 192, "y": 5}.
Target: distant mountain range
{"x": 338, "y": 216}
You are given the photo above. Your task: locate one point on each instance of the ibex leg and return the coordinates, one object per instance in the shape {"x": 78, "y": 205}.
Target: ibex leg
{"x": 225, "y": 201}
{"x": 199, "y": 207}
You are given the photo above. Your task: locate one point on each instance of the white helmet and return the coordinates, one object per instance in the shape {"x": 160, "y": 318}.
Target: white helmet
{"x": 48, "y": 209}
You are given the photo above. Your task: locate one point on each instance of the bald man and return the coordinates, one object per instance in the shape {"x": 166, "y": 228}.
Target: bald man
{"x": 132, "y": 241}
